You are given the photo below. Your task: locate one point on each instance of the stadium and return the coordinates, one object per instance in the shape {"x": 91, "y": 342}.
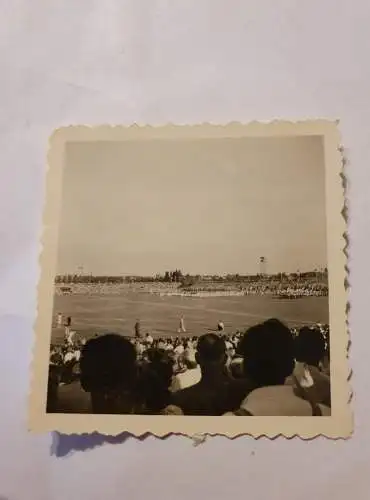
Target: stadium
{"x": 97, "y": 308}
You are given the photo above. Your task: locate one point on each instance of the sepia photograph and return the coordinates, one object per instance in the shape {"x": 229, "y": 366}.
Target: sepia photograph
{"x": 193, "y": 272}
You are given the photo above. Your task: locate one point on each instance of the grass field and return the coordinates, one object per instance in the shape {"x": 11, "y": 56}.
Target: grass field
{"x": 93, "y": 314}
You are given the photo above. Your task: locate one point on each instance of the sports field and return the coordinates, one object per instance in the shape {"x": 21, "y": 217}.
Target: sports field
{"x": 160, "y": 316}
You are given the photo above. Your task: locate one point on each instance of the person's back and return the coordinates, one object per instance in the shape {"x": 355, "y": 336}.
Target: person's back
{"x": 204, "y": 399}
{"x": 71, "y": 398}
{"x": 190, "y": 376}
{"x": 281, "y": 400}
{"x": 216, "y": 392}
{"x": 268, "y": 351}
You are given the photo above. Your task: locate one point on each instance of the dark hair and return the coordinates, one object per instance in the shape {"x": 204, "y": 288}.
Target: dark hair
{"x": 268, "y": 350}
{"x": 107, "y": 363}
{"x": 309, "y": 346}
{"x": 211, "y": 348}
{"x": 155, "y": 380}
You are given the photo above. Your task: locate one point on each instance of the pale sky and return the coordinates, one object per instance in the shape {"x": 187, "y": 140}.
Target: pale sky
{"x": 206, "y": 206}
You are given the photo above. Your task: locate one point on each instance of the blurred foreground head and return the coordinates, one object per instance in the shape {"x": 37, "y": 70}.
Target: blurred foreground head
{"x": 268, "y": 351}
{"x": 108, "y": 372}
{"x": 310, "y": 346}
{"x": 211, "y": 351}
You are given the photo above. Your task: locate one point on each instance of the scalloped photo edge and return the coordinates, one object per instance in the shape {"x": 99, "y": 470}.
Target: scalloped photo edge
{"x": 339, "y": 424}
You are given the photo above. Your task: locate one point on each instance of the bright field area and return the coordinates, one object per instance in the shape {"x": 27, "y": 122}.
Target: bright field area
{"x": 160, "y": 316}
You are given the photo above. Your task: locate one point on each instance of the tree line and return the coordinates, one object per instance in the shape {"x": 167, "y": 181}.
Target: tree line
{"x": 177, "y": 276}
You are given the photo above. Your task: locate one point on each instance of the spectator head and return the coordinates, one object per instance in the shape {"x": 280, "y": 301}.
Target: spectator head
{"x": 156, "y": 379}
{"x": 310, "y": 346}
{"x": 172, "y": 410}
{"x": 161, "y": 344}
{"x": 268, "y": 351}
{"x": 190, "y": 358}
{"x": 211, "y": 351}
{"x": 162, "y": 364}
{"x": 108, "y": 370}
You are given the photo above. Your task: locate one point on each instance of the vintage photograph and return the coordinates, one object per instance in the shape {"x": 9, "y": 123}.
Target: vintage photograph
{"x": 193, "y": 272}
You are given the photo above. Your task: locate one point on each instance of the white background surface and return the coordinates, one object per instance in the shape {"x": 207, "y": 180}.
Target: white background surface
{"x": 155, "y": 61}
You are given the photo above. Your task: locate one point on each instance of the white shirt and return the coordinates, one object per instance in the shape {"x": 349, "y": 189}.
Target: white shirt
{"x": 139, "y": 348}
{"x": 149, "y": 339}
{"x": 279, "y": 400}
{"x": 70, "y": 336}
{"x": 179, "y": 349}
{"x": 189, "y": 354}
{"x": 185, "y": 379}
{"x": 303, "y": 375}
{"x": 68, "y": 357}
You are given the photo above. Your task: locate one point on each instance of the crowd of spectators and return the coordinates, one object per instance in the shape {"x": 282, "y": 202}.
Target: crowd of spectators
{"x": 267, "y": 370}
{"x": 264, "y": 285}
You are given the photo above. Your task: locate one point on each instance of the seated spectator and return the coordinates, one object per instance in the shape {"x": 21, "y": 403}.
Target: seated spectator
{"x": 179, "y": 349}
{"x": 77, "y": 354}
{"x": 236, "y": 367}
{"x": 309, "y": 353}
{"x": 108, "y": 373}
{"x": 71, "y": 398}
{"x": 310, "y": 346}
{"x": 282, "y": 400}
{"x": 139, "y": 348}
{"x": 190, "y": 376}
{"x": 69, "y": 355}
{"x": 68, "y": 364}
{"x": 189, "y": 356}
{"x": 171, "y": 410}
{"x": 216, "y": 392}
{"x": 268, "y": 351}
{"x": 148, "y": 340}
{"x": 169, "y": 346}
{"x": 52, "y": 390}
{"x": 325, "y": 364}
{"x": 155, "y": 380}
{"x": 56, "y": 356}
